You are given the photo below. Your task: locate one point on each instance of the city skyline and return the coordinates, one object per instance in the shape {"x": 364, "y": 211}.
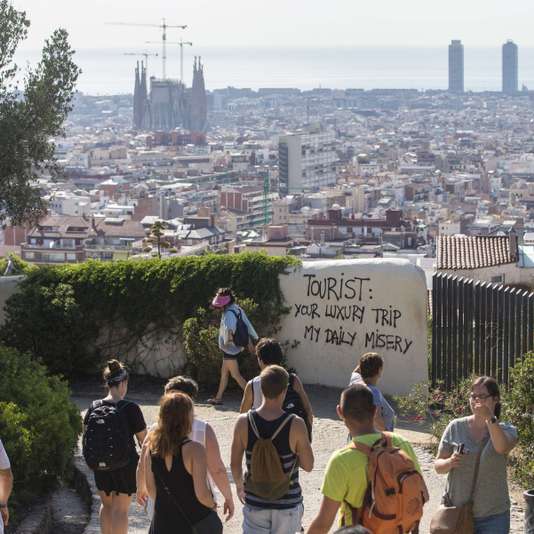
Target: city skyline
{"x": 307, "y": 24}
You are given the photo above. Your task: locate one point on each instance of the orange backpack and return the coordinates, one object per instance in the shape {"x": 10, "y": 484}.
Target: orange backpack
{"x": 396, "y": 491}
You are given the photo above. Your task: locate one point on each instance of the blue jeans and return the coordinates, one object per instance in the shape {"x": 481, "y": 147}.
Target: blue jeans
{"x": 266, "y": 521}
{"x": 493, "y": 524}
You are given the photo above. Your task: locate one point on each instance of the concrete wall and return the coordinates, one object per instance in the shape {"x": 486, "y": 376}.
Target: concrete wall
{"x": 342, "y": 309}
{"x": 339, "y": 310}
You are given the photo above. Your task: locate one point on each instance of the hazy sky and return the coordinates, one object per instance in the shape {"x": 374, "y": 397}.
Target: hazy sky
{"x": 286, "y": 22}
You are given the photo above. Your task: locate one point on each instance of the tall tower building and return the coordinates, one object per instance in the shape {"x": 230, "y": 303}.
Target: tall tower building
{"x": 510, "y": 79}
{"x": 198, "y": 113}
{"x": 456, "y": 66}
{"x": 141, "y": 106}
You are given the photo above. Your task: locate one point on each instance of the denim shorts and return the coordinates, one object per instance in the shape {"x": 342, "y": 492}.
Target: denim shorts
{"x": 493, "y": 524}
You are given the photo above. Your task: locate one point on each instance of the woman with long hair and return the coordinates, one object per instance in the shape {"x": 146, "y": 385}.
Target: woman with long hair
{"x": 482, "y": 439}
{"x": 176, "y": 473}
{"x": 109, "y": 448}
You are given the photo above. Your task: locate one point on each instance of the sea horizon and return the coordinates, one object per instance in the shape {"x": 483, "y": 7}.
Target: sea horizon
{"x": 107, "y": 71}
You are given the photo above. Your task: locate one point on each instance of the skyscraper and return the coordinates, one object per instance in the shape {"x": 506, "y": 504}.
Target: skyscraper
{"x": 456, "y": 66}
{"x": 509, "y": 68}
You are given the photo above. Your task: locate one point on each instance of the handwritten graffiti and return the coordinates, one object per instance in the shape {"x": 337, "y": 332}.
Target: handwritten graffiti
{"x": 331, "y": 288}
{"x": 307, "y": 310}
{"x": 351, "y": 312}
{"x": 378, "y": 340}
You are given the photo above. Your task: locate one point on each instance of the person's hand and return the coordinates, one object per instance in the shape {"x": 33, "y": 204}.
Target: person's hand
{"x": 240, "y": 490}
{"x": 483, "y": 411}
{"x": 228, "y": 509}
{"x": 141, "y": 497}
{"x": 455, "y": 461}
{"x": 5, "y": 515}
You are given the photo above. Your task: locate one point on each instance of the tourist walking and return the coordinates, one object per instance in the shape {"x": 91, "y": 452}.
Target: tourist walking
{"x": 269, "y": 352}
{"x": 473, "y": 453}
{"x": 202, "y": 433}
{"x": 109, "y": 449}
{"x": 275, "y": 445}
{"x": 6, "y": 486}
{"x": 369, "y": 371}
{"x": 176, "y": 473}
{"x": 236, "y": 333}
{"x": 354, "y": 480}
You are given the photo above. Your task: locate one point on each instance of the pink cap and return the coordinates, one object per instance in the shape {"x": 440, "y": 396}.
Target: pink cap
{"x": 220, "y": 301}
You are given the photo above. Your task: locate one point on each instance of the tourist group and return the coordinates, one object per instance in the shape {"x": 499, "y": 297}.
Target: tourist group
{"x": 373, "y": 484}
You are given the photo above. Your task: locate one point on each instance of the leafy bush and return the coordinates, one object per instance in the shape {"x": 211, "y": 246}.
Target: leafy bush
{"x": 39, "y": 424}
{"x": 19, "y": 266}
{"x": 520, "y": 412}
{"x": 74, "y": 316}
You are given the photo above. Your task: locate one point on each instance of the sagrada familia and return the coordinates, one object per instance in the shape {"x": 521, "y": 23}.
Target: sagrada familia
{"x": 170, "y": 104}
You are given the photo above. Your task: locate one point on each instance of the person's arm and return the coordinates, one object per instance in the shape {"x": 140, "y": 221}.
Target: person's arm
{"x": 447, "y": 459}
{"x": 325, "y": 518}
{"x": 246, "y": 401}
{"x": 217, "y": 470}
{"x": 239, "y": 444}
{"x": 303, "y": 448}
{"x": 502, "y": 442}
{"x": 140, "y": 436}
{"x": 299, "y": 388}
{"x": 141, "y": 495}
{"x": 6, "y": 486}
{"x": 199, "y": 472}
{"x": 150, "y": 481}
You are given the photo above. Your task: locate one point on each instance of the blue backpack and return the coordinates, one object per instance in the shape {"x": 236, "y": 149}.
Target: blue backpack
{"x": 241, "y": 335}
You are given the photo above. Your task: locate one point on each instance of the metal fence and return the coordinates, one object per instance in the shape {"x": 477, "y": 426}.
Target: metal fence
{"x": 478, "y": 327}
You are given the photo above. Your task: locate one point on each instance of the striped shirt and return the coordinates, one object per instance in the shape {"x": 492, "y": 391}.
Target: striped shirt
{"x": 287, "y": 457}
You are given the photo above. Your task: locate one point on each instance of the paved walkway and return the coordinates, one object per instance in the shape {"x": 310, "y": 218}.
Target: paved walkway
{"x": 329, "y": 434}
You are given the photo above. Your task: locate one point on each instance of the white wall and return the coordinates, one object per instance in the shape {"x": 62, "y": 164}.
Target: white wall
{"x": 8, "y": 286}
{"x": 342, "y": 309}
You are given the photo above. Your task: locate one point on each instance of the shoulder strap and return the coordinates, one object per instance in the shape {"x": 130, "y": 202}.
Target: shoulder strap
{"x": 253, "y": 424}
{"x": 477, "y": 465}
{"x": 279, "y": 429}
{"x": 97, "y": 403}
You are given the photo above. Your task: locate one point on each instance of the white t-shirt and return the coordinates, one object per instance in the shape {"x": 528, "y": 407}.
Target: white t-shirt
{"x": 4, "y": 464}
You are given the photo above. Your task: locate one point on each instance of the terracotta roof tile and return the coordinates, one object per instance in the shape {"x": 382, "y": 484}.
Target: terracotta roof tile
{"x": 472, "y": 252}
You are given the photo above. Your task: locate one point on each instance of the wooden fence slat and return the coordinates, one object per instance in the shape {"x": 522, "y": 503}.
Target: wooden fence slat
{"x": 478, "y": 320}
{"x": 436, "y": 327}
{"x": 506, "y": 333}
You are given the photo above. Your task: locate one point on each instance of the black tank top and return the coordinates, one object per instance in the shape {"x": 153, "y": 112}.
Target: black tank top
{"x": 168, "y": 518}
{"x": 281, "y": 442}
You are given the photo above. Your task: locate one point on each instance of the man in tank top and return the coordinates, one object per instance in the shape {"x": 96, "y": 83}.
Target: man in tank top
{"x": 290, "y": 439}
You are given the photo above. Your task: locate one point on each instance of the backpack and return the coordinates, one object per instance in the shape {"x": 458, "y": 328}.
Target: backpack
{"x": 241, "y": 335}
{"x": 396, "y": 491}
{"x": 266, "y": 478}
{"x": 106, "y": 439}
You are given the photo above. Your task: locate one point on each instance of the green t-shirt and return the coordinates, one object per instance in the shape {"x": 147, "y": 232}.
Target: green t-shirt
{"x": 345, "y": 479}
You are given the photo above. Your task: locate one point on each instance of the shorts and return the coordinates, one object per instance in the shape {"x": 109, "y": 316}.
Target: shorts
{"x": 117, "y": 481}
{"x": 230, "y": 356}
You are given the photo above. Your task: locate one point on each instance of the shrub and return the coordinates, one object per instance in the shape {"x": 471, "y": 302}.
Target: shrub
{"x": 519, "y": 409}
{"x": 74, "y": 316}
{"x": 39, "y": 424}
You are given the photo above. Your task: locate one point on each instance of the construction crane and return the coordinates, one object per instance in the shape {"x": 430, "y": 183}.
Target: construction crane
{"x": 181, "y": 43}
{"x": 146, "y": 55}
{"x": 164, "y": 27}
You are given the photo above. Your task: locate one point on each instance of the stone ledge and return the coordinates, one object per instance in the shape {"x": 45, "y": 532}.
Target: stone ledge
{"x": 39, "y": 520}
{"x": 89, "y": 492}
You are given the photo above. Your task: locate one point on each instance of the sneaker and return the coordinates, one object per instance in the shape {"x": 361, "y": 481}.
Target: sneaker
{"x": 214, "y": 401}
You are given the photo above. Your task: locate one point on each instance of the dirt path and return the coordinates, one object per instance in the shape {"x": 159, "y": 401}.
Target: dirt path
{"x": 329, "y": 434}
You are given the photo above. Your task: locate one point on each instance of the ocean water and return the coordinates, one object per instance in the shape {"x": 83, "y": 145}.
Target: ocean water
{"x": 109, "y": 71}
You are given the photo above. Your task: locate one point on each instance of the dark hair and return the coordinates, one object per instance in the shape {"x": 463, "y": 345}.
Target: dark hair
{"x": 274, "y": 380}
{"x": 174, "y": 424}
{"x": 268, "y": 350}
{"x": 370, "y": 364}
{"x": 357, "y": 529}
{"x": 226, "y": 292}
{"x": 114, "y": 373}
{"x": 493, "y": 389}
{"x": 184, "y": 384}
{"x": 357, "y": 403}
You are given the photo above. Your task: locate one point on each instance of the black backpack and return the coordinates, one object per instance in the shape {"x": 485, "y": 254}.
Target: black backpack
{"x": 106, "y": 440}
{"x": 241, "y": 335}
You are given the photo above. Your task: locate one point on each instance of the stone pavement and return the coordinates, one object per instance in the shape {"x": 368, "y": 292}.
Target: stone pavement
{"x": 329, "y": 434}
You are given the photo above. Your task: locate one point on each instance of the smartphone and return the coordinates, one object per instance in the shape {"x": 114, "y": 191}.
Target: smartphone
{"x": 459, "y": 448}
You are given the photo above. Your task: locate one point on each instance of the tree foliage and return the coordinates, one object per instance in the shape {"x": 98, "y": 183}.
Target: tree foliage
{"x": 30, "y": 115}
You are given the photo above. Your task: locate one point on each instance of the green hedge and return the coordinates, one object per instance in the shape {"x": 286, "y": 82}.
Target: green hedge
{"x": 20, "y": 266}
{"x": 73, "y": 317}
{"x": 39, "y": 424}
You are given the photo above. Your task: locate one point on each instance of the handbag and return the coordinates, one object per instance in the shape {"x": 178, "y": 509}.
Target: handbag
{"x": 211, "y": 524}
{"x": 451, "y": 519}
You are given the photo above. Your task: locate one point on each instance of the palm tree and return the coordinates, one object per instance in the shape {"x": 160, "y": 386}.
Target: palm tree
{"x": 156, "y": 233}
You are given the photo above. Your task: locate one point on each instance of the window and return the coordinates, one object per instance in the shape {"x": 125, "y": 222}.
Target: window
{"x": 499, "y": 279}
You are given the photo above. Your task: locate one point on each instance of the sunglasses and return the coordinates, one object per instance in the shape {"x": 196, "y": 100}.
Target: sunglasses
{"x": 474, "y": 396}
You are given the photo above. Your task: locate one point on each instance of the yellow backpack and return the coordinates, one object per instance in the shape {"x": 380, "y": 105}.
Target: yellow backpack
{"x": 266, "y": 478}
